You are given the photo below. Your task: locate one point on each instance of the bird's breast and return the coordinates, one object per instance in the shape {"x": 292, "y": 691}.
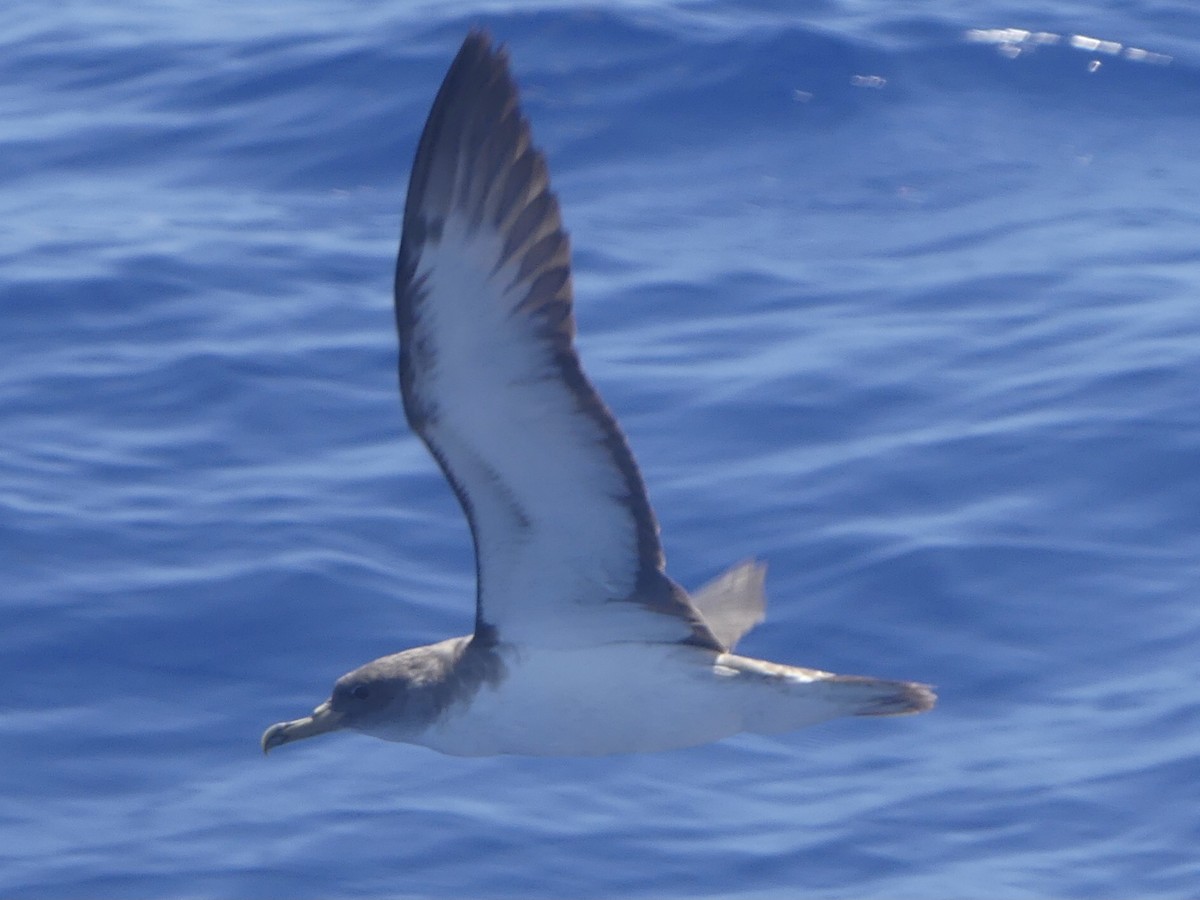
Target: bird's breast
{"x": 618, "y": 698}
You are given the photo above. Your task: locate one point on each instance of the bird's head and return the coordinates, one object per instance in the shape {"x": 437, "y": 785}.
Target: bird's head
{"x": 396, "y": 697}
{"x": 362, "y": 698}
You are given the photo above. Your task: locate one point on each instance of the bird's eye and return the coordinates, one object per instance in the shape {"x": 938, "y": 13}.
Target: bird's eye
{"x": 360, "y": 692}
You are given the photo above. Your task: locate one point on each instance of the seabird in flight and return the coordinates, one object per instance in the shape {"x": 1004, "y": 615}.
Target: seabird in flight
{"x": 582, "y": 644}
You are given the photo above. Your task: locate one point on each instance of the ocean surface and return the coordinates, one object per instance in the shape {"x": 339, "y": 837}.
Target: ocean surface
{"x": 903, "y": 299}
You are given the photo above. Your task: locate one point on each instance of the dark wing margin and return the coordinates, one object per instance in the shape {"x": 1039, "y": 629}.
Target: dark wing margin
{"x": 476, "y": 159}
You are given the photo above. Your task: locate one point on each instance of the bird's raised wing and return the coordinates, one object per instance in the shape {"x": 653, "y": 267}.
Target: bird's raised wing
{"x": 566, "y": 544}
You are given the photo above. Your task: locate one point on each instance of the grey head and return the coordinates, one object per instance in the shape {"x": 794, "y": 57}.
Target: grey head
{"x": 397, "y": 697}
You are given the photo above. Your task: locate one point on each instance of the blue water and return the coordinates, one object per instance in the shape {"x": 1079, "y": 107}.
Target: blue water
{"x": 905, "y": 306}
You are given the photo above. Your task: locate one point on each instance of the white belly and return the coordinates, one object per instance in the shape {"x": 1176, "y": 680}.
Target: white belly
{"x": 620, "y": 698}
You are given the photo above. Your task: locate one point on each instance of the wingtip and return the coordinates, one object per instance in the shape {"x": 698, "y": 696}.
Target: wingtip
{"x": 909, "y": 699}
{"x": 478, "y": 37}
{"x": 480, "y": 46}
{"x": 921, "y": 698}
{"x": 867, "y": 696}
{"x": 476, "y": 94}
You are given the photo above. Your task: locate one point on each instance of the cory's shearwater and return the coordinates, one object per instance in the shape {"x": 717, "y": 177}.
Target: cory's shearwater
{"x": 582, "y": 644}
